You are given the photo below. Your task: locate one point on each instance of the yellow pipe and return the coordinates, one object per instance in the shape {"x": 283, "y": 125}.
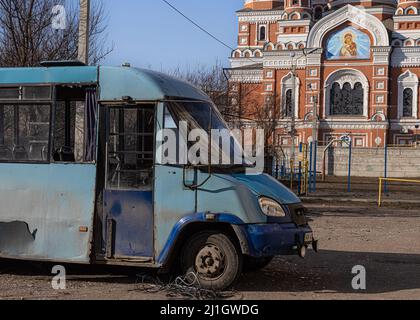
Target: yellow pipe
{"x": 380, "y": 193}
{"x": 400, "y": 180}
{"x": 381, "y": 180}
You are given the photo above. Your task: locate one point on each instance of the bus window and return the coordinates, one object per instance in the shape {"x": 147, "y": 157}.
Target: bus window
{"x": 67, "y": 132}
{"x": 130, "y": 147}
{"x": 70, "y": 125}
{"x": 24, "y": 132}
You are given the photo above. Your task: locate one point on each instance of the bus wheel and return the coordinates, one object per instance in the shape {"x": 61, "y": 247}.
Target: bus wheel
{"x": 255, "y": 264}
{"x": 214, "y": 258}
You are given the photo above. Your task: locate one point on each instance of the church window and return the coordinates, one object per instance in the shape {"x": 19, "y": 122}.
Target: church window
{"x": 262, "y": 35}
{"x": 346, "y": 100}
{"x": 290, "y": 89}
{"x": 318, "y": 13}
{"x": 288, "y": 107}
{"x": 408, "y": 83}
{"x": 408, "y": 102}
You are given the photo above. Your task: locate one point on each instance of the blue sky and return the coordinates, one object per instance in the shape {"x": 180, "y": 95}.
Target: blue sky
{"x": 147, "y": 33}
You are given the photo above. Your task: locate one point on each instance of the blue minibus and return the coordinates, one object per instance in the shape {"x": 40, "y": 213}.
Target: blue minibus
{"x": 81, "y": 182}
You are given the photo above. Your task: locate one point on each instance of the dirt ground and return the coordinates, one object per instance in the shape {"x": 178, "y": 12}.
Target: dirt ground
{"x": 385, "y": 241}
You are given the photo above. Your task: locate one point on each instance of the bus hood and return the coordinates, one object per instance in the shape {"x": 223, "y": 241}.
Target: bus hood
{"x": 264, "y": 185}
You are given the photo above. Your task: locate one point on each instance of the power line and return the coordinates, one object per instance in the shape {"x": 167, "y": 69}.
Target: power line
{"x": 197, "y": 25}
{"x": 202, "y": 28}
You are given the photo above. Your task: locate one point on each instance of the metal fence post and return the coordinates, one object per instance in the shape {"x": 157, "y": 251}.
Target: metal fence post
{"x": 315, "y": 156}
{"x": 310, "y": 166}
{"x": 350, "y": 155}
{"x": 386, "y": 169}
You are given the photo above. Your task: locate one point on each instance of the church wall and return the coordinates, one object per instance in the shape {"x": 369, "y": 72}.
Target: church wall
{"x": 300, "y": 78}
{"x": 274, "y": 28}
{"x": 379, "y": 122}
{"x": 395, "y": 74}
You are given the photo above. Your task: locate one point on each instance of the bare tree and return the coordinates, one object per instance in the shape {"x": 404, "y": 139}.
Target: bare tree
{"x": 211, "y": 80}
{"x": 241, "y": 104}
{"x": 27, "y": 36}
{"x": 267, "y": 116}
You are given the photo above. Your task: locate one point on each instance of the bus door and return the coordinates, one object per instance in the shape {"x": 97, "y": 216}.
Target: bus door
{"x": 128, "y": 195}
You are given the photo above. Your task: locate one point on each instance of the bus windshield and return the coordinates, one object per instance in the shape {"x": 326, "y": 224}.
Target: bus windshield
{"x": 225, "y": 149}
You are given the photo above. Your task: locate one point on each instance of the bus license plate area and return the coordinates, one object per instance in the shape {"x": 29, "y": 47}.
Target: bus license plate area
{"x": 309, "y": 237}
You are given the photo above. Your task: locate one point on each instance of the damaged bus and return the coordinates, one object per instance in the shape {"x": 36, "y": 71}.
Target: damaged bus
{"x": 81, "y": 182}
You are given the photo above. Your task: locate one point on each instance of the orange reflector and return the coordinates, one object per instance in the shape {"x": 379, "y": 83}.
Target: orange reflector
{"x": 83, "y": 229}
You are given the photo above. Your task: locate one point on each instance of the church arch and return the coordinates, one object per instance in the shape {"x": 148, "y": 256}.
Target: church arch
{"x": 346, "y": 93}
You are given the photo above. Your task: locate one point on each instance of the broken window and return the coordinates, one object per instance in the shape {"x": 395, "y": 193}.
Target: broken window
{"x": 130, "y": 147}
{"x": 24, "y": 132}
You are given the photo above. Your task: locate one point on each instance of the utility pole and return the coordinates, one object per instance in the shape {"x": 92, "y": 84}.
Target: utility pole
{"x": 83, "y": 54}
{"x": 294, "y": 95}
{"x": 293, "y": 124}
{"x": 315, "y": 119}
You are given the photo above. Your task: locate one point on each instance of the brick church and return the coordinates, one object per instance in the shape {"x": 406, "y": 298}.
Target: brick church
{"x": 334, "y": 67}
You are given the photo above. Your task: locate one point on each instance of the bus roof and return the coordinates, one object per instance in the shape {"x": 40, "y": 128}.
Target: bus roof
{"x": 115, "y": 82}
{"x": 141, "y": 84}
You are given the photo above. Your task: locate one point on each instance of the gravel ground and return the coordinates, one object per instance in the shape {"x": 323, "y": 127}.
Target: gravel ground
{"x": 385, "y": 241}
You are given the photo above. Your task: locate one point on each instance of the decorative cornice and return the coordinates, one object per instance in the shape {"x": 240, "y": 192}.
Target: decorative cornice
{"x": 281, "y": 60}
{"x": 246, "y": 76}
{"x": 406, "y": 57}
{"x": 292, "y": 23}
{"x": 352, "y": 124}
{"x": 260, "y": 13}
{"x": 382, "y": 49}
{"x": 260, "y": 16}
{"x": 409, "y": 18}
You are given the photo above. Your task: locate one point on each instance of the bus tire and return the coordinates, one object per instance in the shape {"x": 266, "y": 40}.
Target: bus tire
{"x": 254, "y": 264}
{"x": 214, "y": 258}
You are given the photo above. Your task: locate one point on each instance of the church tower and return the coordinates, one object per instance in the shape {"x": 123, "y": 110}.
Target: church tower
{"x": 298, "y": 9}
{"x": 408, "y": 7}
{"x": 406, "y": 24}
{"x": 263, "y": 4}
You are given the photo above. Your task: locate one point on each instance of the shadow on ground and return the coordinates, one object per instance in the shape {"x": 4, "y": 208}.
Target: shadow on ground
{"x": 326, "y": 272}
{"x": 331, "y": 271}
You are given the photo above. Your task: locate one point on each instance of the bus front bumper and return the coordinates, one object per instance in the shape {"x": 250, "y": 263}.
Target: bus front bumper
{"x": 268, "y": 240}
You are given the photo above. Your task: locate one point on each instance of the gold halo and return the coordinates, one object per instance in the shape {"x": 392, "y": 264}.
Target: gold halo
{"x": 346, "y": 33}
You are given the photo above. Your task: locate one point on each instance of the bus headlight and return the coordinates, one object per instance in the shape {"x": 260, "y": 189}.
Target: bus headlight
{"x": 271, "y": 208}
